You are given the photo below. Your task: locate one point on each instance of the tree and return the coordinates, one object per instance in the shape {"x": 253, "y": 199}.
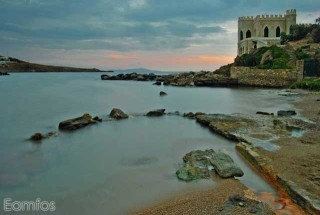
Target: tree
{"x": 318, "y": 21}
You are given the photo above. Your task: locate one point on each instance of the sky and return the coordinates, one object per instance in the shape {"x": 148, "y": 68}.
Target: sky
{"x": 166, "y": 35}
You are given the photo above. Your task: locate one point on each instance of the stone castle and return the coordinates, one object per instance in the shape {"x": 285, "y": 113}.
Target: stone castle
{"x": 263, "y": 30}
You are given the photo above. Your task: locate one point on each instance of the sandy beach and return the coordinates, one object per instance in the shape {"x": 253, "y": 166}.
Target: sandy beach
{"x": 297, "y": 161}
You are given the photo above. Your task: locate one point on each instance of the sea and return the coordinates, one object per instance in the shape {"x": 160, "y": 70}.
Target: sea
{"x": 113, "y": 167}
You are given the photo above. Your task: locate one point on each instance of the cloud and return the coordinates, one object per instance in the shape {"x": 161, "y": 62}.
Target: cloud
{"x": 137, "y": 3}
{"x": 201, "y": 28}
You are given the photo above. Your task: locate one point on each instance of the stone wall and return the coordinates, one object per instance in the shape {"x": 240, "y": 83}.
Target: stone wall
{"x": 268, "y": 77}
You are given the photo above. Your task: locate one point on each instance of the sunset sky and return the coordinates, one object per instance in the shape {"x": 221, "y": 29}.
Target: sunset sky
{"x": 168, "y": 35}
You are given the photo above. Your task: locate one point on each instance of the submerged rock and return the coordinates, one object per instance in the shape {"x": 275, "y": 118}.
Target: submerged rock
{"x": 224, "y": 166}
{"x": 286, "y": 113}
{"x": 37, "y": 137}
{"x": 118, "y": 114}
{"x": 163, "y": 93}
{"x": 264, "y": 113}
{"x": 177, "y": 113}
{"x": 76, "y": 123}
{"x": 158, "y": 112}
{"x": 190, "y": 115}
{"x": 40, "y": 136}
{"x": 98, "y": 119}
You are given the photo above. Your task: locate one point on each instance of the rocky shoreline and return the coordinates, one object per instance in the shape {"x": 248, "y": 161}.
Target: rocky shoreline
{"x": 277, "y": 146}
{"x": 291, "y": 167}
{"x": 188, "y": 79}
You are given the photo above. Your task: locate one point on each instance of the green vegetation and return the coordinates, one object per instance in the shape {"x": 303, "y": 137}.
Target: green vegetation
{"x": 301, "y": 55}
{"x": 308, "y": 83}
{"x": 224, "y": 70}
{"x": 278, "y": 59}
{"x": 298, "y": 32}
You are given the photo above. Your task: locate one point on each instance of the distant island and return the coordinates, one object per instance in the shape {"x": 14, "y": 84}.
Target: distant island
{"x": 10, "y": 65}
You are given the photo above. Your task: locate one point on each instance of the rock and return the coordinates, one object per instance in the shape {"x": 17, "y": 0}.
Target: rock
{"x": 288, "y": 93}
{"x": 158, "y": 112}
{"x": 105, "y": 77}
{"x": 224, "y": 166}
{"x": 4, "y": 73}
{"x": 98, "y": 119}
{"x": 279, "y": 124}
{"x": 163, "y": 93}
{"x": 37, "y": 137}
{"x": 199, "y": 113}
{"x": 286, "y": 113}
{"x": 158, "y": 83}
{"x": 190, "y": 115}
{"x": 196, "y": 165}
{"x": 189, "y": 173}
{"x": 318, "y": 100}
{"x": 76, "y": 123}
{"x": 249, "y": 206}
{"x": 118, "y": 114}
{"x": 264, "y": 113}
{"x": 177, "y": 113}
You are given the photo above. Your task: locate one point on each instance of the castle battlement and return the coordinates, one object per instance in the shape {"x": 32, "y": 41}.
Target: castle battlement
{"x": 291, "y": 12}
{"x": 263, "y": 30}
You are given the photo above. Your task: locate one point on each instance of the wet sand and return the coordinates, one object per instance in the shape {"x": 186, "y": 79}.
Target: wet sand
{"x": 201, "y": 202}
{"x": 297, "y": 160}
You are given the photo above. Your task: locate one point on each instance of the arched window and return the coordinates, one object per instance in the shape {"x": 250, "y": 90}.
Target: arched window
{"x": 266, "y": 32}
{"x": 278, "y": 32}
{"x": 248, "y": 34}
{"x": 241, "y": 35}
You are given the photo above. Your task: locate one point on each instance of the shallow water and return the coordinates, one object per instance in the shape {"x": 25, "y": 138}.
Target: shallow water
{"x": 112, "y": 167}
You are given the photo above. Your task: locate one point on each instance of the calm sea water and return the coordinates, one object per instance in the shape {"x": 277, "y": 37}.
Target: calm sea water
{"x": 111, "y": 167}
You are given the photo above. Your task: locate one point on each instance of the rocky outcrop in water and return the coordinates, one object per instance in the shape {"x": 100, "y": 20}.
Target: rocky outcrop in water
{"x": 224, "y": 166}
{"x": 76, "y": 123}
{"x": 118, "y": 114}
{"x": 162, "y": 93}
{"x": 158, "y": 112}
{"x": 203, "y": 78}
{"x": 257, "y": 129}
{"x": 286, "y": 113}
{"x": 3, "y": 73}
{"x": 192, "y": 115}
{"x": 131, "y": 76}
{"x": 40, "y": 136}
{"x": 198, "y": 164}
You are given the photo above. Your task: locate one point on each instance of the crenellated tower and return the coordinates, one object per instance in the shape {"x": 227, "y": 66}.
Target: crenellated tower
{"x": 263, "y": 30}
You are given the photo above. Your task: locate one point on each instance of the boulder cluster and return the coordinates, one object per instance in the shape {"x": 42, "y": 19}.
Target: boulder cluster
{"x": 203, "y": 78}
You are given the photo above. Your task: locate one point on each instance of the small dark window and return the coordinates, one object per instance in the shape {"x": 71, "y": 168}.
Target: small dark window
{"x": 266, "y": 32}
{"x": 241, "y": 35}
{"x": 248, "y": 34}
{"x": 278, "y": 32}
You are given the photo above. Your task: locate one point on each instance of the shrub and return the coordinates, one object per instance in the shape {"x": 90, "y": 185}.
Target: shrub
{"x": 316, "y": 34}
{"x": 308, "y": 83}
{"x": 301, "y": 55}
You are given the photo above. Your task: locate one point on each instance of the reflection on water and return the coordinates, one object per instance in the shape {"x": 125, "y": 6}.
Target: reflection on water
{"x": 129, "y": 163}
